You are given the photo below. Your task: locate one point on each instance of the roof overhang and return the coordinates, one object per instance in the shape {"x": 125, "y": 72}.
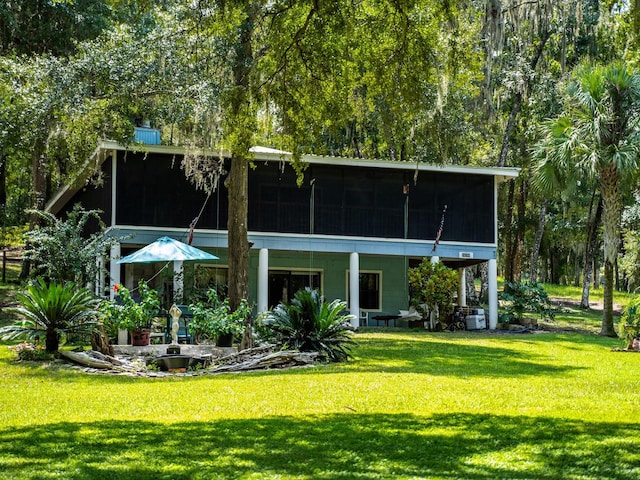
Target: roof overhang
{"x": 267, "y": 154}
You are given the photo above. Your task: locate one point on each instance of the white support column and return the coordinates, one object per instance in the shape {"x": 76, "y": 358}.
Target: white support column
{"x": 493, "y": 293}
{"x": 114, "y": 279}
{"x": 435, "y": 259}
{"x": 354, "y": 289}
{"x": 263, "y": 280}
{"x": 178, "y": 281}
{"x": 462, "y": 287}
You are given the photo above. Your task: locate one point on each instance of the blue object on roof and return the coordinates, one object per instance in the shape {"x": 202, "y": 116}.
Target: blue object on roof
{"x": 166, "y": 249}
{"x": 149, "y": 136}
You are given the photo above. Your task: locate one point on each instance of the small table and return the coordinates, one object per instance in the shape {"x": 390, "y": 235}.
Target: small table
{"x": 386, "y": 319}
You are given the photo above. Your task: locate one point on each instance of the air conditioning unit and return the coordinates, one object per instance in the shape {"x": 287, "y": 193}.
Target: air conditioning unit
{"x": 475, "y": 322}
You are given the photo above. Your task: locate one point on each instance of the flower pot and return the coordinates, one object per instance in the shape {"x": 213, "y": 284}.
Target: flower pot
{"x": 225, "y": 340}
{"x": 140, "y": 337}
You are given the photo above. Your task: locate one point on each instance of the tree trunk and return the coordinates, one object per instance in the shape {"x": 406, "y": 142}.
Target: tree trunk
{"x": 472, "y": 294}
{"x": 517, "y": 101}
{"x": 508, "y": 234}
{"x": 3, "y": 189}
{"x": 607, "y": 312}
{"x": 516, "y": 254}
{"x": 240, "y": 124}
{"x": 611, "y": 214}
{"x": 51, "y": 340}
{"x": 39, "y": 179}
{"x": 484, "y": 283}
{"x": 237, "y": 185}
{"x": 533, "y": 272}
{"x": 590, "y": 252}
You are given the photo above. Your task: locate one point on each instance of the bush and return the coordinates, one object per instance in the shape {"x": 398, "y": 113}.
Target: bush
{"x": 629, "y": 326}
{"x": 213, "y": 317}
{"x": 433, "y": 285}
{"x": 521, "y": 297}
{"x": 31, "y": 352}
{"x": 310, "y": 324}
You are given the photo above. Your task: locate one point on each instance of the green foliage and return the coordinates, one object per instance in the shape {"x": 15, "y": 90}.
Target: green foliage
{"x": 214, "y": 317}
{"x": 31, "y": 352}
{"x": 522, "y": 297}
{"x": 66, "y": 250}
{"x": 30, "y": 26}
{"x": 629, "y": 324}
{"x": 127, "y": 313}
{"x": 432, "y": 285}
{"x": 53, "y": 309}
{"x": 310, "y": 324}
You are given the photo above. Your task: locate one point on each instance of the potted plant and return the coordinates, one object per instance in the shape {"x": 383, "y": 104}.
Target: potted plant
{"x": 213, "y": 319}
{"x": 135, "y": 316}
{"x": 629, "y": 328}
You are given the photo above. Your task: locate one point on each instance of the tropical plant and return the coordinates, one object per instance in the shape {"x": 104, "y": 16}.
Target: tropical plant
{"x": 53, "y": 309}
{"x": 521, "y": 297}
{"x": 629, "y": 326}
{"x": 433, "y": 286}
{"x": 63, "y": 250}
{"x": 213, "y": 317}
{"x": 597, "y": 136}
{"x": 310, "y": 324}
{"x": 127, "y": 313}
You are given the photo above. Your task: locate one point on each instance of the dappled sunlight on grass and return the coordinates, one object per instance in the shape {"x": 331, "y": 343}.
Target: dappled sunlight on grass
{"x": 329, "y": 446}
{"x": 411, "y": 404}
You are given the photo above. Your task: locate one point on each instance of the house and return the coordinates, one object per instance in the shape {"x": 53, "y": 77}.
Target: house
{"x": 354, "y": 225}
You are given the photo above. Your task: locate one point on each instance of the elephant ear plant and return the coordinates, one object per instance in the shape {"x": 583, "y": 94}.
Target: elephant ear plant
{"x": 310, "y": 324}
{"x": 53, "y": 309}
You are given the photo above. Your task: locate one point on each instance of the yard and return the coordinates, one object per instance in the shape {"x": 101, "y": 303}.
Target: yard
{"x": 411, "y": 404}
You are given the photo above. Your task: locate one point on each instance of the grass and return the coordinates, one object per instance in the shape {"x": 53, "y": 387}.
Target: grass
{"x": 411, "y": 404}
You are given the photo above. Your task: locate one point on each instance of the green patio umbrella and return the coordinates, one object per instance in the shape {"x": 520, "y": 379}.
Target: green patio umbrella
{"x": 166, "y": 249}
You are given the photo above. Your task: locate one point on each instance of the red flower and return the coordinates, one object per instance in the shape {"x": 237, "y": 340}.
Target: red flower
{"x": 117, "y": 287}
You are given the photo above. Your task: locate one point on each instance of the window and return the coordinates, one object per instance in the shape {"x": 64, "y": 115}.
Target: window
{"x": 211, "y": 276}
{"x": 370, "y": 290}
{"x": 284, "y": 284}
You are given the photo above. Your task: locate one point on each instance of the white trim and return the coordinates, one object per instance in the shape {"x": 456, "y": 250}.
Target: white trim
{"x": 304, "y": 236}
{"x": 272, "y": 154}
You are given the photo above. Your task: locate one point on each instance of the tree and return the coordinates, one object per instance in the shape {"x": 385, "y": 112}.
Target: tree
{"x": 596, "y": 136}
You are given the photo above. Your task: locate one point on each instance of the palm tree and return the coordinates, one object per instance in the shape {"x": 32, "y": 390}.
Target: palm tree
{"x": 53, "y": 309}
{"x": 596, "y": 137}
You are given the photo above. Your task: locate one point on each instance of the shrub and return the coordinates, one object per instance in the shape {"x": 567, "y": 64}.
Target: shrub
{"x": 310, "y": 324}
{"x": 53, "y": 309}
{"x": 521, "y": 297}
{"x": 30, "y": 352}
{"x": 629, "y": 326}
{"x": 213, "y": 317}
{"x": 433, "y": 285}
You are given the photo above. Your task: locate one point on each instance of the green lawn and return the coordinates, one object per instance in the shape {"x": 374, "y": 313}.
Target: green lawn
{"x": 412, "y": 404}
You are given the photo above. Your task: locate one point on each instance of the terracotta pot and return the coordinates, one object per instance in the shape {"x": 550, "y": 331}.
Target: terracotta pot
{"x": 140, "y": 337}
